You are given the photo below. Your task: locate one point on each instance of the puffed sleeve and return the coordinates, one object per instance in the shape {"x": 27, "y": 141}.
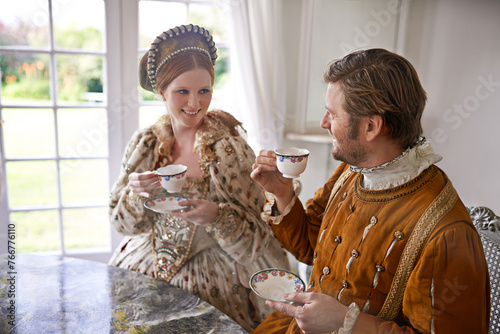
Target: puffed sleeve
{"x": 239, "y": 229}
{"x": 127, "y": 213}
{"x": 448, "y": 290}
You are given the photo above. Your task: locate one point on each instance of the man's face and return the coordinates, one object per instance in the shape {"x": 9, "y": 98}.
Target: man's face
{"x": 343, "y": 128}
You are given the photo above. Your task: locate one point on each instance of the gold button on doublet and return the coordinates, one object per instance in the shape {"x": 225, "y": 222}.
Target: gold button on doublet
{"x": 345, "y": 285}
{"x": 326, "y": 271}
{"x": 344, "y": 196}
{"x": 380, "y": 268}
{"x": 355, "y": 253}
{"x": 399, "y": 235}
{"x": 373, "y": 220}
{"x": 338, "y": 239}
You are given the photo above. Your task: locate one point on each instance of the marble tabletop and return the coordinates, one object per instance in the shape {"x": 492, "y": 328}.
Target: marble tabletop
{"x": 50, "y": 294}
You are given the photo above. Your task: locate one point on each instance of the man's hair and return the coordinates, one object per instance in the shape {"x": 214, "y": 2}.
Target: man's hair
{"x": 379, "y": 82}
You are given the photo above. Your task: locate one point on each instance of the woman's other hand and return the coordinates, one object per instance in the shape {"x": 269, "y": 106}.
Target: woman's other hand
{"x": 201, "y": 211}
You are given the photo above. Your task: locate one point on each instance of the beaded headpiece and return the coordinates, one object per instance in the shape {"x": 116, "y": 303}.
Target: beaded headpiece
{"x": 171, "y": 43}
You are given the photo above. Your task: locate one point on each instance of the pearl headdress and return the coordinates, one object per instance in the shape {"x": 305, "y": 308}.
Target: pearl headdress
{"x": 171, "y": 43}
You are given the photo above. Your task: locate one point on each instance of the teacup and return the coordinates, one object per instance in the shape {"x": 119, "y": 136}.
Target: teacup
{"x": 172, "y": 177}
{"x": 291, "y": 161}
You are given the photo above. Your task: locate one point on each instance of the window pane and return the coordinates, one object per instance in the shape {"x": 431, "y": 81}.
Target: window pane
{"x": 82, "y": 133}
{"x": 79, "y": 24}
{"x": 212, "y": 18}
{"x": 31, "y": 183}
{"x": 79, "y": 78}
{"x": 146, "y": 95}
{"x": 86, "y": 228}
{"x": 25, "y": 78}
{"x": 156, "y": 17}
{"x": 24, "y": 22}
{"x": 39, "y": 123}
{"x": 148, "y": 115}
{"x": 221, "y": 68}
{"x": 84, "y": 181}
{"x": 222, "y": 97}
{"x": 37, "y": 231}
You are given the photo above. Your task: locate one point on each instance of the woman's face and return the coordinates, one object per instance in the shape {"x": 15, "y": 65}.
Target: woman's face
{"x": 188, "y": 97}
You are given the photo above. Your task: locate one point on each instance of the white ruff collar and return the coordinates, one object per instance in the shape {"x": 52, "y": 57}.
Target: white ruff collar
{"x": 405, "y": 167}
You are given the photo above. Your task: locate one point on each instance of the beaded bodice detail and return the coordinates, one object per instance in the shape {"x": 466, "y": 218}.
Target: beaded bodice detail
{"x": 173, "y": 237}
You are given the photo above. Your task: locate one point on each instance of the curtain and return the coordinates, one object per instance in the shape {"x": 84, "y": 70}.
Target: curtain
{"x": 258, "y": 70}
{"x": 2, "y": 183}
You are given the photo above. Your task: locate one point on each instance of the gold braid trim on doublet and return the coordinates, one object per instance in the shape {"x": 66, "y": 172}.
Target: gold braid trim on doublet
{"x": 425, "y": 225}
{"x": 338, "y": 184}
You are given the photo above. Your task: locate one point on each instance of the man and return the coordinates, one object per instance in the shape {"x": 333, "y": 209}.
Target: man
{"x": 392, "y": 246}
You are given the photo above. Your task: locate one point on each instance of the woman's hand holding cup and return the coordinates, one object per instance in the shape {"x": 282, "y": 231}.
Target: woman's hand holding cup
{"x": 143, "y": 183}
{"x": 170, "y": 177}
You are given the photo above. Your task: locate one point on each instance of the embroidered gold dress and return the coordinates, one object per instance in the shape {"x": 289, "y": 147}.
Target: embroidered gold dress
{"x": 214, "y": 262}
{"x": 356, "y": 240}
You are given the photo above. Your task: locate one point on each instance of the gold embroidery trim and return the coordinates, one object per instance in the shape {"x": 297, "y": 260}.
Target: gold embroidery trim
{"x": 175, "y": 267}
{"x": 426, "y": 224}
{"x": 336, "y": 187}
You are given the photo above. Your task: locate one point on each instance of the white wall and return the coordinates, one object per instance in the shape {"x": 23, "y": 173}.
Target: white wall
{"x": 455, "y": 47}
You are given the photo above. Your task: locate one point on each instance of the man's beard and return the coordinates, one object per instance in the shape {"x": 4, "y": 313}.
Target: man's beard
{"x": 348, "y": 149}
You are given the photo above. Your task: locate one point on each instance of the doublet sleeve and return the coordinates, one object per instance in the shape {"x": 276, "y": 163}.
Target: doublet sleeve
{"x": 448, "y": 290}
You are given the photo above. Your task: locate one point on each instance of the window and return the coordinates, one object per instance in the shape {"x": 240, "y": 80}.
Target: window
{"x": 53, "y": 111}
{"x": 68, "y": 105}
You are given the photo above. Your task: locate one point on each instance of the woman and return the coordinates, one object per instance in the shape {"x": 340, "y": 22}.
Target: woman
{"x": 211, "y": 250}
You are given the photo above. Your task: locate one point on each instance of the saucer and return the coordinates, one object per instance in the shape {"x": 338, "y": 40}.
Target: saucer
{"x": 165, "y": 204}
{"x": 272, "y": 283}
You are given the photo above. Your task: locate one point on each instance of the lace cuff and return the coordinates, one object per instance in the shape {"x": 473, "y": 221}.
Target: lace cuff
{"x": 269, "y": 211}
{"x": 221, "y": 224}
{"x": 349, "y": 319}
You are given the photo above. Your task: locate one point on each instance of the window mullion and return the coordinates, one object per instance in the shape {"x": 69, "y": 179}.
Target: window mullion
{"x": 129, "y": 32}
{"x": 121, "y": 22}
{"x": 53, "y": 88}
{"x": 4, "y": 208}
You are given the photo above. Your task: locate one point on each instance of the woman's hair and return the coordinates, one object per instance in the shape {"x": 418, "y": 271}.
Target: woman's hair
{"x": 379, "y": 82}
{"x": 180, "y": 64}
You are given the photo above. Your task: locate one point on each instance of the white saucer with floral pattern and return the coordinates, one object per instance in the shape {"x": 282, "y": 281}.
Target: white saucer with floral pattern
{"x": 165, "y": 204}
{"x": 272, "y": 283}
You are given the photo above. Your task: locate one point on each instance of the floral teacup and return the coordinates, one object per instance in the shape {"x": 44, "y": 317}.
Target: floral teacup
{"x": 291, "y": 161}
{"x": 173, "y": 177}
